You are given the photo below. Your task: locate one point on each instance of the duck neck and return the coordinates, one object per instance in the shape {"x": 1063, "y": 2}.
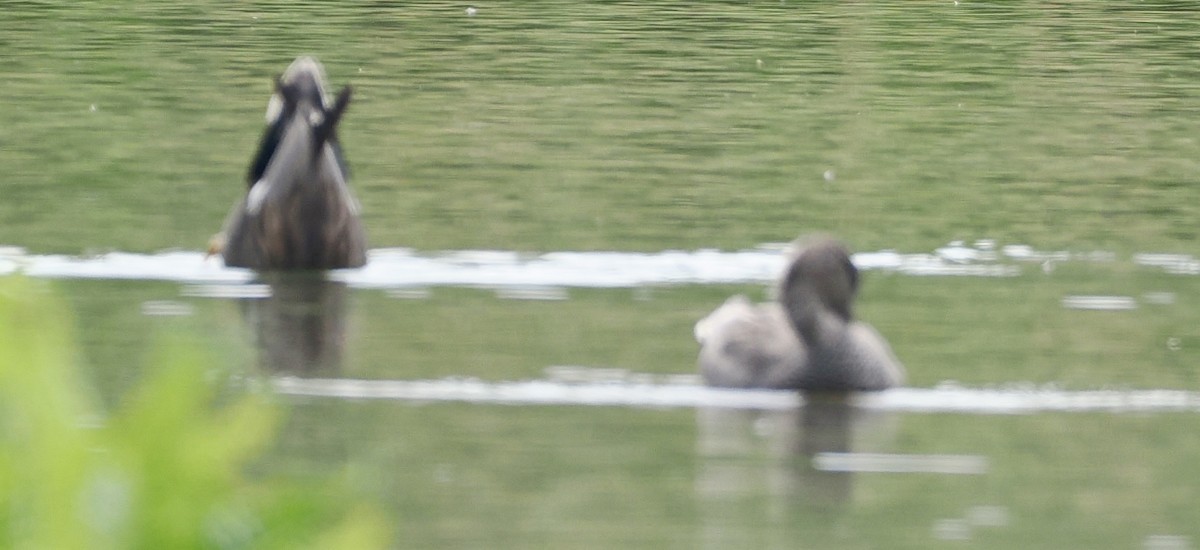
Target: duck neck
{"x": 813, "y": 319}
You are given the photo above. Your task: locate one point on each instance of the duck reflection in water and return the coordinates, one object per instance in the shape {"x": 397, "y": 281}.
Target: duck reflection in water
{"x": 301, "y": 327}
{"x": 297, "y": 219}
{"x": 756, "y": 480}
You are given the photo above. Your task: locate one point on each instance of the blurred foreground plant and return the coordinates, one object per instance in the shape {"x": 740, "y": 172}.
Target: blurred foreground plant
{"x": 166, "y": 470}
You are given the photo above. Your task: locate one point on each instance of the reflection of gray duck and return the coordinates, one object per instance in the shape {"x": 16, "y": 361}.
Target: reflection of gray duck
{"x": 299, "y": 212}
{"x": 747, "y": 345}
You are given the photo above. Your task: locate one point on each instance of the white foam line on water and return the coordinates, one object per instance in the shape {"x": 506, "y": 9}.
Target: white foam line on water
{"x": 400, "y": 267}
{"x": 545, "y": 392}
{"x": 896, "y": 463}
{"x": 1099, "y": 303}
{"x": 536, "y": 392}
{"x": 192, "y": 267}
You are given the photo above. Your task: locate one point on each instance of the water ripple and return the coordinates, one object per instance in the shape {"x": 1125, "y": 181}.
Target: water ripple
{"x": 406, "y": 268}
{"x": 659, "y": 395}
{"x": 402, "y": 267}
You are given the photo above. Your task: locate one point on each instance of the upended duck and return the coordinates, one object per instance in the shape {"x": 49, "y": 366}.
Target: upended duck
{"x": 298, "y": 212}
{"x": 808, "y": 340}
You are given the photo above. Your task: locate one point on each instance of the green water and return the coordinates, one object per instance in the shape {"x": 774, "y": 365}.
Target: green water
{"x": 477, "y": 476}
{"x": 648, "y": 126}
{"x": 547, "y": 125}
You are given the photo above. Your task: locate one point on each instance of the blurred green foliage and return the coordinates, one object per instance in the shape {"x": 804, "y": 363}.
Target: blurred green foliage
{"x": 173, "y": 467}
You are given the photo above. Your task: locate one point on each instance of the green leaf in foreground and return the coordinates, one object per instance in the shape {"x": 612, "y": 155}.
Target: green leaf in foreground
{"x": 169, "y": 469}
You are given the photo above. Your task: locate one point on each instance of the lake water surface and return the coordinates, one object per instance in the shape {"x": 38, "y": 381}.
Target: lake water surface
{"x": 555, "y": 192}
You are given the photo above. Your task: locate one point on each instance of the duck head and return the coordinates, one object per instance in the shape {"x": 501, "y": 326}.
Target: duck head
{"x": 821, "y": 277}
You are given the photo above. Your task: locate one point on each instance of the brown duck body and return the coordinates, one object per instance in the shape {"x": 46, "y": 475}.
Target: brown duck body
{"x": 299, "y": 212}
